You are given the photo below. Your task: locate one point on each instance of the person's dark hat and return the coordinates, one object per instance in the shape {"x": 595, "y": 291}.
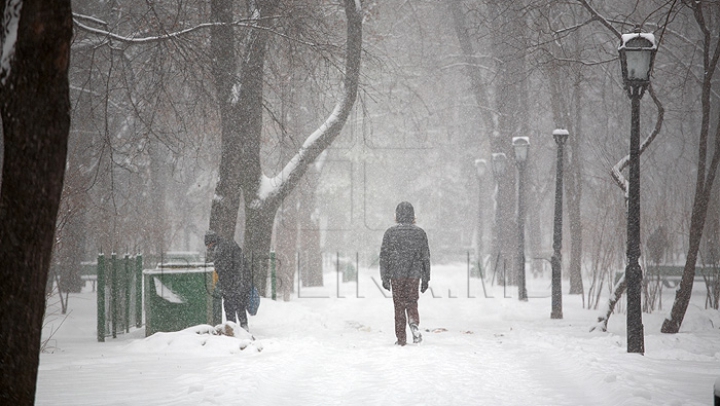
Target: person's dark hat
{"x": 404, "y": 213}
{"x": 211, "y": 238}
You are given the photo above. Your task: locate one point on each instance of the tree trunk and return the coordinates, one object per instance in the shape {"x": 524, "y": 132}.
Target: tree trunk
{"x": 510, "y": 98}
{"x": 603, "y": 319}
{"x": 311, "y": 264}
{"x": 684, "y": 291}
{"x": 258, "y": 237}
{"x": 495, "y": 124}
{"x": 562, "y": 117}
{"x": 241, "y": 114}
{"x": 705, "y": 174}
{"x": 697, "y": 225}
{"x": 35, "y": 111}
{"x": 157, "y": 219}
{"x": 473, "y": 69}
{"x": 574, "y": 194}
{"x": 286, "y": 243}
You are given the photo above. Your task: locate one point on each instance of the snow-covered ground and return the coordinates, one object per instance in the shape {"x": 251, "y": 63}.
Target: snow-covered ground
{"x": 334, "y": 346}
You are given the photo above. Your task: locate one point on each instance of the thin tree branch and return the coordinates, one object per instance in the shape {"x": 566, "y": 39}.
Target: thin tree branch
{"x": 601, "y": 19}
{"x": 171, "y": 35}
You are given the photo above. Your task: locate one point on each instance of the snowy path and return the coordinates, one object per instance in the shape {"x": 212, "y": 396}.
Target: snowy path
{"x": 339, "y": 351}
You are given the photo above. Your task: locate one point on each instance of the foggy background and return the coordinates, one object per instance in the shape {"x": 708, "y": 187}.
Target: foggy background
{"x": 145, "y": 139}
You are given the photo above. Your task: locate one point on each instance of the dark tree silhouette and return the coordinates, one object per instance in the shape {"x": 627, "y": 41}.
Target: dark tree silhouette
{"x": 35, "y": 111}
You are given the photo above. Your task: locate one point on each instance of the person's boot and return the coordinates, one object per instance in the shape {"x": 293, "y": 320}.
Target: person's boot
{"x": 417, "y": 337}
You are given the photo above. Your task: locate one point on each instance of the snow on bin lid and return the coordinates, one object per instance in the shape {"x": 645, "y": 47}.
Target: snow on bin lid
{"x": 200, "y": 268}
{"x": 182, "y": 260}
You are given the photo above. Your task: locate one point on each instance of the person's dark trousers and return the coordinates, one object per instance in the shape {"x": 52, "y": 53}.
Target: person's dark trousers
{"x": 405, "y": 298}
{"x": 235, "y": 304}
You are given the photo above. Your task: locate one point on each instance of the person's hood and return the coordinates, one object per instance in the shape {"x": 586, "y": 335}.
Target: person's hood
{"x": 404, "y": 213}
{"x": 211, "y": 237}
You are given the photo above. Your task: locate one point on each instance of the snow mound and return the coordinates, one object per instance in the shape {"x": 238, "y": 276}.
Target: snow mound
{"x": 203, "y": 339}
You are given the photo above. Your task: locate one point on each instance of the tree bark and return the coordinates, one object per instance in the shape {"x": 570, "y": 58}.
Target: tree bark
{"x": 574, "y": 193}
{"x": 286, "y": 243}
{"x": 240, "y": 100}
{"x": 563, "y": 115}
{"x": 311, "y": 264}
{"x": 35, "y": 111}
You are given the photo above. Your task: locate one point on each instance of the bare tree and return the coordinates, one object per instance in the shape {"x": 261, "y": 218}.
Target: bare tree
{"x": 241, "y": 102}
{"x": 143, "y": 122}
{"x": 35, "y": 109}
{"x": 706, "y": 17}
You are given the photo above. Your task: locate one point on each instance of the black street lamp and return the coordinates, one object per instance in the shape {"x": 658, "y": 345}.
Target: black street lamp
{"x": 637, "y": 53}
{"x": 499, "y": 165}
{"x": 561, "y": 137}
{"x": 521, "y": 146}
{"x": 480, "y": 169}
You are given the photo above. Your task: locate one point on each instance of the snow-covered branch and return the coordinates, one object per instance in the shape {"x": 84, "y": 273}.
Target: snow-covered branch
{"x": 581, "y": 62}
{"x": 131, "y": 39}
{"x": 91, "y": 19}
{"x": 147, "y": 39}
{"x": 281, "y": 184}
{"x": 602, "y": 320}
{"x": 616, "y": 171}
{"x": 617, "y": 176}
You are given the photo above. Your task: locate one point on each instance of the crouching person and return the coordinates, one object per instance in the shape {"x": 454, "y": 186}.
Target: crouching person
{"x": 233, "y": 278}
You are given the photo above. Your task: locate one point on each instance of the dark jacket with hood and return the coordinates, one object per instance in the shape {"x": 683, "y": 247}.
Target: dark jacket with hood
{"x": 405, "y": 252}
{"x": 233, "y": 278}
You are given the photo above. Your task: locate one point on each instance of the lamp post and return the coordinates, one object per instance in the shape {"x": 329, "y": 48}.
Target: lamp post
{"x": 560, "y": 137}
{"x": 521, "y": 146}
{"x": 637, "y": 53}
{"x": 499, "y": 165}
{"x": 480, "y": 169}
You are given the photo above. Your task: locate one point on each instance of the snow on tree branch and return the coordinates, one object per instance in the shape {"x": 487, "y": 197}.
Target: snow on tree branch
{"x": 149, "y": 39}
{"x": 616, "y": 171}
{"x": 130, "y": 39}
{"x": 602, "y": 320}
{"x": 282, "y": 183}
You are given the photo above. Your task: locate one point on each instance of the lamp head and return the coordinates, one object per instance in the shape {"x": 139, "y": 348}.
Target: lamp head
{"x": 480, "y": 167}
{"x": 637, "y": 55}
{"x": 561, "y": 136}
{"x": 499, "y": 162}
{"x": 521, "y": 145}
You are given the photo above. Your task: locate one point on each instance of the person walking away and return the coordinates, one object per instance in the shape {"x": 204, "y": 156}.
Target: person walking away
{"x": 233, "y": 279}
{"x": 404, "y": 262}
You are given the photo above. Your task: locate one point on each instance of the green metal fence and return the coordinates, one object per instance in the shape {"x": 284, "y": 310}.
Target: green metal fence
{"x": 119, "y": 295}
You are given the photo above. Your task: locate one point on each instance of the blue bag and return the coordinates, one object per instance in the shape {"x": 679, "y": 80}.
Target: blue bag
{"x": 253, "y": 301}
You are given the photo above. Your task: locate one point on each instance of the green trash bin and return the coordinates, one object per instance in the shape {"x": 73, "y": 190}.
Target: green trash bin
{"x": 178, "y": 297}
